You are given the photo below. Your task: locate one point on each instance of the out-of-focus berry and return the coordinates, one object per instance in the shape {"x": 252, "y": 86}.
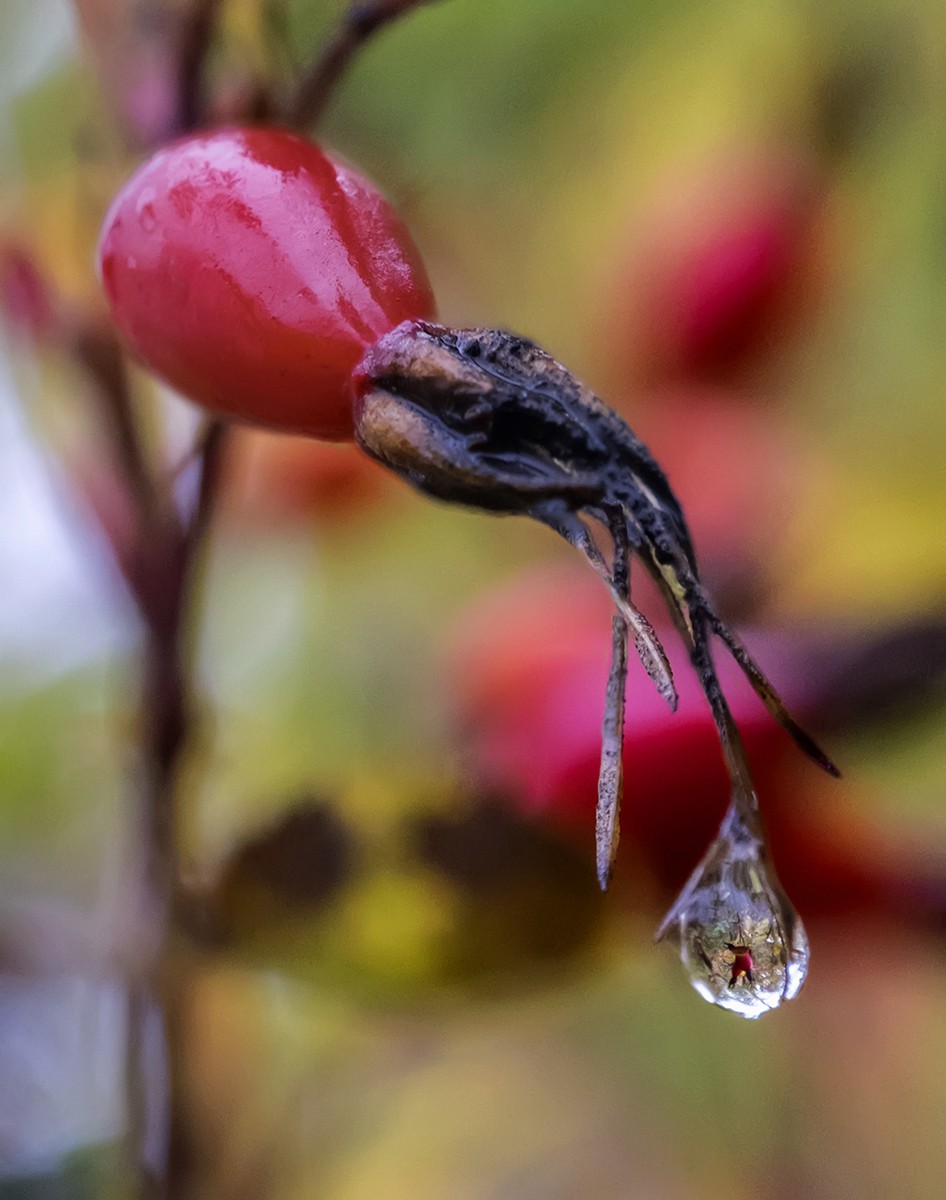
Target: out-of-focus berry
{"x": 275, "y": 479}
{"x": 737, "y": 471}
{"x": 527, "y": 666}
{"x": 26, "y": 302}
{"x": 722, "y": 272}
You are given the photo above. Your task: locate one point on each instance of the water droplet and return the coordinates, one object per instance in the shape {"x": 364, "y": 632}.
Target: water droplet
{"x": 145, "y": 210}
{"x": 741, "y": 942}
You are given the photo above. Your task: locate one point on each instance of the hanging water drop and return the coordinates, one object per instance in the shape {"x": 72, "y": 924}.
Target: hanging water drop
{"x": 741, "y": 942}
{"x": 488, "y": 419}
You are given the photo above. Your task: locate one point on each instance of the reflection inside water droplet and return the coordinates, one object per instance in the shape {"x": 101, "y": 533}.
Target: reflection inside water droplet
{"x": 741, "y": 942}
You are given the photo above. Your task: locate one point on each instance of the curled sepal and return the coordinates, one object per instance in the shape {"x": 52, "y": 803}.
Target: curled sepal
{"x": 741, "y": 942}
{"x": 646, "y": 642}
{"x": 488, "y": 419}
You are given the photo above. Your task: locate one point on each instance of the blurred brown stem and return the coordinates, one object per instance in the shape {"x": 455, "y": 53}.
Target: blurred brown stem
{"x": 169, "y": 554}
{"x": 168, "y": 715}
{"x": 358, "y": 25}
{"x": 196, "y": 42}
{"x": 161, "y": 569}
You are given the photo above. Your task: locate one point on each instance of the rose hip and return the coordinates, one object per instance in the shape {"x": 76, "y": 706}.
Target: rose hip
{"x": 250, "y": 270}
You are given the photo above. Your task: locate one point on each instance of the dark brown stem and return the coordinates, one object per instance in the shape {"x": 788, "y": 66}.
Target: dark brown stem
{"x": 156, "y": 1111}
{"x": 169, "y": 711}
{"x": 359, "y": 24}
{"x": 161, "y": 571}
{"x": 212, "y": 456}
{"x": 165, "y": 560}
{"x": 196, "y": 42}
{"x": 166, "y": 710}
{"x": 97, "y": 351}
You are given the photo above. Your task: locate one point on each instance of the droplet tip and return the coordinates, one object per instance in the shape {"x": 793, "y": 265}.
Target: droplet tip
{"x": 660, "y": 933}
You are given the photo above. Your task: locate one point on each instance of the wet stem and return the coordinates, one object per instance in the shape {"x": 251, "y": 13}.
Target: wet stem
{"x": 157, "y": 1120}
{"x": 161, "y": 569}
{"x": 359, "y": 24}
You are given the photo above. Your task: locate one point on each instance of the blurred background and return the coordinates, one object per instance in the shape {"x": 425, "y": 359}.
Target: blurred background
{"x": 729, "y": 218}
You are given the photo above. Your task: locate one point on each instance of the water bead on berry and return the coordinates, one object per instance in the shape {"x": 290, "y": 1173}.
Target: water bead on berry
{"x": 250, "y": 270}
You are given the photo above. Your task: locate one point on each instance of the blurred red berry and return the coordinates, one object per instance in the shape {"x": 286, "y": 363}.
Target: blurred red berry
{"x": 736, "y": 470}
{"x": 722, "y": 271}
{"x": 251, "y": 270}
{"x": 277, "y": 479}
{"x": 528, "y": 664}
{"x": 25, "y": 298}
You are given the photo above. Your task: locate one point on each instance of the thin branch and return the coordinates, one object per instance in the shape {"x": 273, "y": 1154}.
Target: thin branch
{"x": 214, "y": 441}
{"x": 168, "y": 552}
{"x": 165, "y": 555}
{"x": 359, "y": 24}
{"x": 98, "y": 353}
{"x": 196, "y": 42}
{"x": 169, "y": 724}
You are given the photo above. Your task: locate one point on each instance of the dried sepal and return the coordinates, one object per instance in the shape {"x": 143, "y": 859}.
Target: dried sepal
{"x": 488, "y": 419}
{"x": 611, "y": 773}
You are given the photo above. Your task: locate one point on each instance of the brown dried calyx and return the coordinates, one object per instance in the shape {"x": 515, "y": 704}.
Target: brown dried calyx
{"x": 485, "y": 418}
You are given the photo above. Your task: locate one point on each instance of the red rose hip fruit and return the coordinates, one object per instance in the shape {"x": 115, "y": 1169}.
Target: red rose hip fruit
{"x": 250, "y": 270}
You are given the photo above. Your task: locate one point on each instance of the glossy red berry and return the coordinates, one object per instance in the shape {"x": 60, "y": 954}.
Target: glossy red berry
{"x": 251, "y": 270}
